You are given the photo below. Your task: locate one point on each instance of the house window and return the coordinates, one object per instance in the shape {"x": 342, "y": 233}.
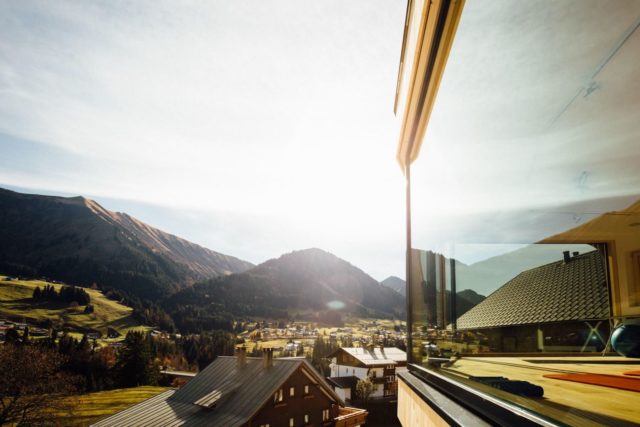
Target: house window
{"x": 278, "y": 396}
{"x": 325, "y": 415}
{"x": 374, "y": 374}
{"x": 292, "y": 391}
{"x": 291, "y": 422}
{"x": 306, "y": 418}
{"x": 265, "y": 425}
{"x": 306, "y": 389}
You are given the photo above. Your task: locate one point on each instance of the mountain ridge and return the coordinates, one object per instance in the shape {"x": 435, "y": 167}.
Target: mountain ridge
{"x": 77, "y": 240}
{"x": 395, "y": 283}
{"x": 309, "y": 280}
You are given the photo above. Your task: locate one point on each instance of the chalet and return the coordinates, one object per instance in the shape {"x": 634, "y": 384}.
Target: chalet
{"x": 246, "y": 391}
{"x": 380, "y": 364}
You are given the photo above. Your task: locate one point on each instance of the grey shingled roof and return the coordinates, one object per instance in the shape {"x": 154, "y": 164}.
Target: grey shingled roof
{"x": 553, "y": 292}
{"x": 242, "y": 392}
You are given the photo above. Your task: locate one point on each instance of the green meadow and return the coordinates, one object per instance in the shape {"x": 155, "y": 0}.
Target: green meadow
{"x": 16, "y": 304}
{"x": 91, "y": 407}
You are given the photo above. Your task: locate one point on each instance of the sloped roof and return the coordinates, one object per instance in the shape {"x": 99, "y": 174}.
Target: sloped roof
{"x": 550, "y": 293}
{"x": 388, "y": 356}
{"x": 221, "y": 395}
{"x": 343, "y": 382}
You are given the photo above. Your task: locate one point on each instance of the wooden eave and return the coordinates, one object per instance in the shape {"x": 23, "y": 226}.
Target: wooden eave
{"x": 438, "y": 21}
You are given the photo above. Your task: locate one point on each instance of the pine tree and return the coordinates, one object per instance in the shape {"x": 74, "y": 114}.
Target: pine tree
{"x": 136, "y": 364}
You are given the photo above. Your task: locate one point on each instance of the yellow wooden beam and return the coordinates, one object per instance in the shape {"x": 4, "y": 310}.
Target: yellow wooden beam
{"x": 429, "y": 32}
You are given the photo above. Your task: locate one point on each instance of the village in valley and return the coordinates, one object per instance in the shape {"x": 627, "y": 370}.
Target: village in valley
{"x": 357, "y": 361}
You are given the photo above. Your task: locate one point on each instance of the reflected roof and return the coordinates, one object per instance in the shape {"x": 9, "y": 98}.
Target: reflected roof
{"x": 555, "y": 292}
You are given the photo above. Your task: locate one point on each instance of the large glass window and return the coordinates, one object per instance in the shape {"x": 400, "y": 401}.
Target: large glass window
{"x": 525, "y": 268}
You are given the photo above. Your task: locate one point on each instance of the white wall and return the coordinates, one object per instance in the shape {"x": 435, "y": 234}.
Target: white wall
{"x": 347, "y": 371}
{"x": 379, "y": 372}
{"x": 378, "y": 391}
{"x": 343, "y": 393}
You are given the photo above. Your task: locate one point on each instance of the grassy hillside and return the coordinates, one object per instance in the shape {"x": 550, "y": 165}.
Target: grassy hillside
{"x": 95, "y": 406}
{"x": 16, "y": 303}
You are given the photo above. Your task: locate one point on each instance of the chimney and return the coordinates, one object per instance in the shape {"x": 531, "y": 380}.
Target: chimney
{"x": 567, "y": 256}
{"x": 575, "y": 254}
{"x": 241, "y": 357}
{"x": 267, "y": 357}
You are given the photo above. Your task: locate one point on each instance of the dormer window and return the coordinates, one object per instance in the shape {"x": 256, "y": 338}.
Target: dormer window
{"x": 306, "y": 389}
{"x": 292, "y": 391}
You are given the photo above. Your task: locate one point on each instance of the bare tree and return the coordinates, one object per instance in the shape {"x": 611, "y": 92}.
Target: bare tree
{"x": 34, "y": 389}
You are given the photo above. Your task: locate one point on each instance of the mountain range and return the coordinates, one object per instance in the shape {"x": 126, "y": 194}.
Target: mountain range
{"x": 465, "y": 299}
{"x": 300, "y": 283}
{"x": 78, "y": 241}
{"x": 395, "y": 283}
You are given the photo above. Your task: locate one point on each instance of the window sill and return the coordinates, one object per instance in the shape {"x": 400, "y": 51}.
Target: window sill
{"x": 459, "y": 404}
{"x": 279, "y": 405}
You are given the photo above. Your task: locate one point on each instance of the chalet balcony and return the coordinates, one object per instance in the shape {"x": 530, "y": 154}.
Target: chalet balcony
{"x": 351, "y": 417}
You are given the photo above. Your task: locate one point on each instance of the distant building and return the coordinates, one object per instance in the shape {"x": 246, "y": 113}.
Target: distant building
{"x": 380, "y": 364}
{"x": 246, "y": 391}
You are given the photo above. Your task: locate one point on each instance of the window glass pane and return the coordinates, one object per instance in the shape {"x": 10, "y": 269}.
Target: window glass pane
{"x": 525, "y": 273}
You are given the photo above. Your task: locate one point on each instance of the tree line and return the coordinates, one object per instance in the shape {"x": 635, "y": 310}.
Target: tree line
{"x": 67, "y": 294}
{"x": 39, "y": 377}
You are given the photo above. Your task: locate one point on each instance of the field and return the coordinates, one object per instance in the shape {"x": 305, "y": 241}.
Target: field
{"x": 354, "y": 329}
{"x": 95, "y": 406}
{"x": 16, "y": 303}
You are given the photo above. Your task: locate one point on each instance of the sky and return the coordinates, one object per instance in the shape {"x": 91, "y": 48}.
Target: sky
{"x": 253, "y": 128}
